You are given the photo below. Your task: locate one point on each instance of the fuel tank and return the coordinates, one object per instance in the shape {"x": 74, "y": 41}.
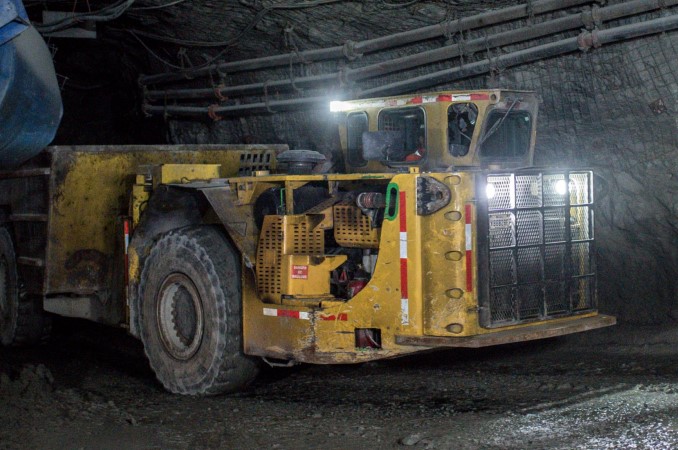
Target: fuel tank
{"x": 30, "y": 101}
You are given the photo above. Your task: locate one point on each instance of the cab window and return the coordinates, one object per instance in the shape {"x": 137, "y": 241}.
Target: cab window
{"x": 461, "y": 122}
{"x": 356, "y": 125}
{"x": 411, "y": 124}
{"x": 507, "y": 134}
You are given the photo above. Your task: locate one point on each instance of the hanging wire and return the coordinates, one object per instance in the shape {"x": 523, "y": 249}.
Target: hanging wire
{"x": 106, "y": 14}
{"x": 155, "y": 55}
{"x": 191, "y": 43}
{"x": 235, "y": 39}
{"x": 389, "y": 5}
{"x": 148, "y": 8}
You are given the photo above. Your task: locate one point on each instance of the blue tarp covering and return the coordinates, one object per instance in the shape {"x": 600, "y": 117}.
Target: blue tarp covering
{"x": 13, "y": 19}
{"x": 30, "y": 101}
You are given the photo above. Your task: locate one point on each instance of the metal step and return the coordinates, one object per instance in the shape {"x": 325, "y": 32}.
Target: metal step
{"x": 28, "y": 217}
{"x": 38, "y": 172}
{"x": 27, "y": 261}
{"x": 542, "y": 330}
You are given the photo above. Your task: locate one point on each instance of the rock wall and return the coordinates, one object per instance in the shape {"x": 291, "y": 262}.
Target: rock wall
{"x": 613, "y": 109}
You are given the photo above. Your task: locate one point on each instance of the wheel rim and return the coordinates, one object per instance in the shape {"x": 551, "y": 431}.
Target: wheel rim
{"x": 180, "y": 316}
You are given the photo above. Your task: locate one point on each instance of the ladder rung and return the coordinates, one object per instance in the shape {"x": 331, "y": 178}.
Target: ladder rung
{"x": 26, "y": 261}
{"x": 28, "y": 217}
{"x": 42, "y": 171}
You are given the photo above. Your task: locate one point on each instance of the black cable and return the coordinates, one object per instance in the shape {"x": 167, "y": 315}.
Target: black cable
{"x": 388, "y": 5}
{"x": 235, "y": 39}
{"x": 105, "y": 14}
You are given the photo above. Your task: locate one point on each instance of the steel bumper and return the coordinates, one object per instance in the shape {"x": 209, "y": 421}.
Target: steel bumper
{"x": 527, "y": 333}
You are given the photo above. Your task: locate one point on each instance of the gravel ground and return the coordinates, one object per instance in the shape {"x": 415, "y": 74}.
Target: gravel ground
{"x": 609, "y": 389}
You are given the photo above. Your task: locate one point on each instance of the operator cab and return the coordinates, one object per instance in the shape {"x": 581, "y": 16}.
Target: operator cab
{"x": 493, "y": 128}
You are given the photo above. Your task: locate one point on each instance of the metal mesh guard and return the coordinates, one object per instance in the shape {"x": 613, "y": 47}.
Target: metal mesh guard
{"x": 269, "y": 258}
{"x": 283, "y": 235}
{"x": 539, "y": 245}
{"x": 353, "y": 229}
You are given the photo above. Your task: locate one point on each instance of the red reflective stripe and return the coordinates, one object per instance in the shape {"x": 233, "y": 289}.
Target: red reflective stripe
{"x": 468, "y": 212}
{"x": 444, "y": 98}
{"x": 479, "y": 97}
{"x": 125, "y": 226}
{"x": 403, "y": 278}
{"x": 469, "y": 272}
{"x": 288, "y": 313}
{"x": 403, "y": 212}
{"x": 342, "y": 317}
{"x": 403, "y": 229}
{"x": 416, "y": 100}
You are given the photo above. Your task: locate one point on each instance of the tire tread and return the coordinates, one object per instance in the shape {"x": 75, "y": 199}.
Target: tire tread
{"x": 231, "y": 370}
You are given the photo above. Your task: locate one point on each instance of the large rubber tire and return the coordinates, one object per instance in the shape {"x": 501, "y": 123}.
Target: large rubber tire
{"x": 191, "y": 313}
{"x": 22, "y": 320}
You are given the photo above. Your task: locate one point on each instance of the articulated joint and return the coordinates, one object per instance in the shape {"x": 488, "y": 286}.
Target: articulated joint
{"x": 432, "y": 195}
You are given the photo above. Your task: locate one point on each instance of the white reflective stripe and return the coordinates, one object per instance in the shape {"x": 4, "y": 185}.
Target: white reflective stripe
{"x": 287, "y": 313}
{"x": 404, "y": 311}
{"x": 403, "y": 244}
{"x": 469, "y": 237}
{"x": 461, "y": 98}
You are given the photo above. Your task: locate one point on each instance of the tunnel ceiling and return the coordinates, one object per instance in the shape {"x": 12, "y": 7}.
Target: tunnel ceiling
{"x": 610, "y": 106}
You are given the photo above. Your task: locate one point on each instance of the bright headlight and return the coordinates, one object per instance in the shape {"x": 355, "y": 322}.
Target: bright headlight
{"x": 490, "y": 191}
{"x": 336, "y": 106}
{"x": 561, "y": 187}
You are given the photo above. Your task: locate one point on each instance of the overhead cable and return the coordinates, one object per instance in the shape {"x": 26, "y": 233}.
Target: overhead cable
{"x": 105, "y": 14}
{"x": 367, "y": 46}
{"x": 519, "y": 57}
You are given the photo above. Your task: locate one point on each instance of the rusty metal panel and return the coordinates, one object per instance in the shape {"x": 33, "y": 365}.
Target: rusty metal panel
{"x": 90, "y": 187}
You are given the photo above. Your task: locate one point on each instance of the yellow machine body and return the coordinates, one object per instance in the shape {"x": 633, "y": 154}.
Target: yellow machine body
{"x": 434, "y": 282}
{"x": 431, "y": 238}
{"x": 431, "y": 301}
{"x": 68, "y": 206}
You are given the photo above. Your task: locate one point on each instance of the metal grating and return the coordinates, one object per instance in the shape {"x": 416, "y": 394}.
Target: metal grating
{"x": 301, "y": 239}
{"x": 502, "y": 194}
{"x": 269, "y": 258}
{"x": 528, "y": 188}
{"x": 354, "y": 229}
{"x": 253, "y": 161}
{"x": 283, "y": 235}
{"x": 537, "y": 248}
{"x": 502, "y": 230}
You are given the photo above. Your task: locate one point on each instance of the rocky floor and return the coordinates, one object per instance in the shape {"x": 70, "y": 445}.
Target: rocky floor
{"x": 92, "y": 388}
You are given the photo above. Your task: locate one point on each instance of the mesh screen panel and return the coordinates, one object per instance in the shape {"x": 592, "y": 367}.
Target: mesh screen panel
{"x": 539, "y": 238}
{"x": 354, "y": 229}
{"x": 502, "y": 197}
{"x": 502, "y": 230}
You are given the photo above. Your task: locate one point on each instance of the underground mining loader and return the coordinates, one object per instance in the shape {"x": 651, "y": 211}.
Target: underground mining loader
{"x": 437, "y": 234}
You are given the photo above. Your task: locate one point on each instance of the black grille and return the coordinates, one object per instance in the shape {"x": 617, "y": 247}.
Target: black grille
{"x": 536, "y": 248}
